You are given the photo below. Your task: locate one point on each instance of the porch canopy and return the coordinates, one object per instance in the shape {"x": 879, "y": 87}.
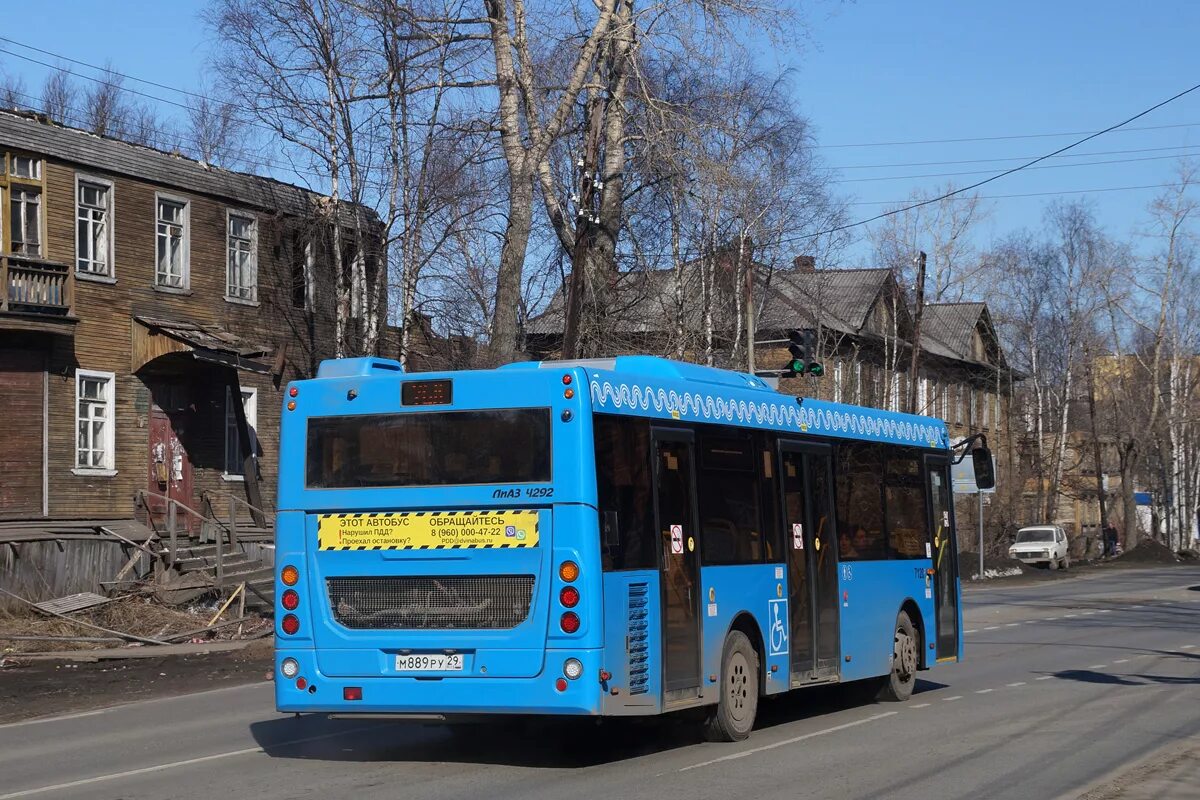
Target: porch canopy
{"x": 154, "y": 337}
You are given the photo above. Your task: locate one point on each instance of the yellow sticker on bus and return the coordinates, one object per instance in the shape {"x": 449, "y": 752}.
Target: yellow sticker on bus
{"x": 428, "y": 530}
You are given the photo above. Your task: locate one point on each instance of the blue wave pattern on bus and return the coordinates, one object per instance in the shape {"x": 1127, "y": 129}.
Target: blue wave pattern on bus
{"x": 814, "y": 416}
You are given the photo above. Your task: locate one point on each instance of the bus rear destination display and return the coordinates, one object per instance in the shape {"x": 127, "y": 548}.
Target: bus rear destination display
{"x": 428, "y": 530}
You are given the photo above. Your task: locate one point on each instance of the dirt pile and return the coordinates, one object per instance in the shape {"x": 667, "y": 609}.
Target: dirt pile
{"x": 1149, "y": 551}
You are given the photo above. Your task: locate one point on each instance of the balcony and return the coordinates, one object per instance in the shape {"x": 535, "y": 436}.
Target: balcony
{"x": 38, "y": 295}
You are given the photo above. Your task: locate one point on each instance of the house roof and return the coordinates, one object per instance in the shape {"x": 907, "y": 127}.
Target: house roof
{"x": 37, "y": 134}
{"x": 643, "y": 301}
{"x": 952, "y": 324}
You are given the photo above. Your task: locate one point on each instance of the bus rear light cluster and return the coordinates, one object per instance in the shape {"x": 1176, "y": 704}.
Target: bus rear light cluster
{"x": 569, "y": 622}
{"x": 569, "y": 597}
{"x": 290, "y": 667}
{"x": 352, "y": 693}
{"x": 568, "y": 571}
{"x": 573, "y": 668}
{"x": 289, "y": 575}
{"x": 290, "y": 624}
{"x": 290, "y": 600}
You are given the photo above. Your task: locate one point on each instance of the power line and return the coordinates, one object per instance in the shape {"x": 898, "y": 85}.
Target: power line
{"x": 1011, "y": 158}
{"x": 984, "y": 172}
{"x": 1036, "y": 194}
{"x": 107, "y": 70}
{"x": 996, "y": 177}
{"x": 1002, "y": 138}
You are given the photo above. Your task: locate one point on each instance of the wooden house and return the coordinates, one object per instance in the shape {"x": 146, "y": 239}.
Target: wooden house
{"x": 152, "y": 306}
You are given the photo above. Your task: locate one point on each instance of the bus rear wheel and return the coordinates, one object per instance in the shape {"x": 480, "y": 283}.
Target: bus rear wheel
{"x": 732, "y": 719}
{"x": 899, "y": 684}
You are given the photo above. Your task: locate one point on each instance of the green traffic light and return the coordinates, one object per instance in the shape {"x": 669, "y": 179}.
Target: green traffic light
{"x": 796, "y": 366}
{"x": 816, "y": 370}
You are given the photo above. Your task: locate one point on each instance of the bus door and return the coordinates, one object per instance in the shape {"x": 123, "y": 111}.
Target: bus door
{"x": 675, "y": 512}
{"x": 811, "y": 540}
{"x": 945, "y": 556}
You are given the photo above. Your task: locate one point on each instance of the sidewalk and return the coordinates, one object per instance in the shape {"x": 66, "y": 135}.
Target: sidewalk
{"x": 1170, "y": 774}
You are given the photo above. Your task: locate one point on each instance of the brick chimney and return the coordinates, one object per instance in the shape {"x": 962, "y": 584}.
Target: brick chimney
{"x": 805, "y": 263}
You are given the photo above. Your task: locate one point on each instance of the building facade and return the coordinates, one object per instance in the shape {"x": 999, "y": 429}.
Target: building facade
{"x": 152, "y": 307}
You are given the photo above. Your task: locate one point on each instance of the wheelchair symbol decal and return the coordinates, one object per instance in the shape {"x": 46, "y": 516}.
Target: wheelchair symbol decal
{"x": 778, "y": 620}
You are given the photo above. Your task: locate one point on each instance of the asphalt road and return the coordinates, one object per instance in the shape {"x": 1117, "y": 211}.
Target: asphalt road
{"x": 1065, "y": 682}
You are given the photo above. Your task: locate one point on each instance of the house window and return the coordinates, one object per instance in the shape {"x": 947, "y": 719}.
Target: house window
{"x": 92, "y": 215}
{"x": 958, "y": 405}
{"x": 302, "y": 274}
{"x": 987, "y": 407}
{"x": 241, "y": 261}
{"x": 858, "y": 383}
{"x": 94, "y": 420}
{"x": 25, "y": 167}
{"x": 234, "y": 466}
{"x": 172, "y": 266}
{"x": 25, "y": 220}
{"x": 837, "y": 381}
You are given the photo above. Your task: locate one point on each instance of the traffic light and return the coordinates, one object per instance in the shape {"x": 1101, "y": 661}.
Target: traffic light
{"x": 802, "y": 347}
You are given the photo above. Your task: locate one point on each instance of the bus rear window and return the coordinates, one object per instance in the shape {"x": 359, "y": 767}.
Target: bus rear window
{"x": 449, "y": 448}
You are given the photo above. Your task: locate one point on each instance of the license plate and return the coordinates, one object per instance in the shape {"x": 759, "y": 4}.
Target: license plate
{"x": 429, "y": 662}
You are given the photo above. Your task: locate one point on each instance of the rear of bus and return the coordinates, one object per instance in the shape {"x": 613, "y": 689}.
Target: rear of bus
{"x": 436, "y": 550}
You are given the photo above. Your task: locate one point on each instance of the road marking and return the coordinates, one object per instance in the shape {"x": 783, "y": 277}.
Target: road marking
{"x": 984, "y": 691}
{"x": 1049, "y": 619}
{"x": 1121, "y": 661}
{"x": 1043, "y": 678}
{"x": 1087, "y": 613}
{"x": 1137, "y": 606}
{"x": 58, "y": 787}
{"x": 946, "y": 700}
{"x": 53, "y": 719}
{"x": 1012, "y": 624}
{"x": 973, "y": 630}
{"x": 1014, "y": 685}
{"x": 1104, "y": 611}
{"x": 1098, "y": 666}
{"x": 1187, "y": 647}
{"x": 994, "y": 627}
{"x": 773, "y": 745}
{"x": 1068, "y": 616}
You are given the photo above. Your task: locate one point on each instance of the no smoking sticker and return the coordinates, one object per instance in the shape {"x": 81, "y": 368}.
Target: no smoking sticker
{"x": 677, "y": 539}
{"x": 797, "y": 536}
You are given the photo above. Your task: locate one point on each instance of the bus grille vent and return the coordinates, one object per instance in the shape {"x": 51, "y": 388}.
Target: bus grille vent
{"x": 476, "y": 602}
{"x": 638, "y": 647}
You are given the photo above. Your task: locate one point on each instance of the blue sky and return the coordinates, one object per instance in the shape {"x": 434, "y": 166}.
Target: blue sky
{"x": 873, "y": 71}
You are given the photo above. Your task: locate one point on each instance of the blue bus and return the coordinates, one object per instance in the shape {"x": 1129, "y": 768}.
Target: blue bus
{"x": 630, "y": 536}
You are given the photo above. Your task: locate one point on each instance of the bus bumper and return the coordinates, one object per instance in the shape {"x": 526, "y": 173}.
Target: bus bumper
{"x": 312, "y": 692}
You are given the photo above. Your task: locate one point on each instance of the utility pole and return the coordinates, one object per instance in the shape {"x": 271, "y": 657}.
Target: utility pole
{"x": 749, "y": 275}
{"x": 585, "y": 220}
{"x": 916, "y": 344}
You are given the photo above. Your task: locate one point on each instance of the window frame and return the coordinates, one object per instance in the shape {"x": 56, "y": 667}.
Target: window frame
{"x": 252, "y": 267}
{"x": 110, "y": 276}
{"x": 186, "y": 243}
{"x": 251, "y": 406}
{"x": 108, "y": 467}
{"x": 39, "y": 191}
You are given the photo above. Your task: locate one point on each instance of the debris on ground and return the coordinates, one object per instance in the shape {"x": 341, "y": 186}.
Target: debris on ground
{"x": 131, "y": 617}
{"x": 993, "y": 566}
{"x": 1148, "y": 551}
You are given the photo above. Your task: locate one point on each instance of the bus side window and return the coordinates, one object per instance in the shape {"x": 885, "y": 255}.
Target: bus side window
{"x": 860, "y": 502}
{"x": 623, "y": 488}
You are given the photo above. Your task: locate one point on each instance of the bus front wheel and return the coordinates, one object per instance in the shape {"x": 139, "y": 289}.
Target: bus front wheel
{"x": 898, "y": 685}
{"x": 732, "y": 719}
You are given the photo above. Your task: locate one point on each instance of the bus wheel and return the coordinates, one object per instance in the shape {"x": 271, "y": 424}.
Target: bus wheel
{"x": 732, "y": 719}
{"x": 898, "y": 686}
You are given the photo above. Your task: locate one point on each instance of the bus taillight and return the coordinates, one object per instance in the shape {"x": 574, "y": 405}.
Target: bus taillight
{"x": 569, "y": 622}
{"x": 568, "y": 571}
{"x": 569, "y": 597}
{"x": 290, "y": 624}
{"x": 289, "y": 575}
{"x": 290, "y": 600}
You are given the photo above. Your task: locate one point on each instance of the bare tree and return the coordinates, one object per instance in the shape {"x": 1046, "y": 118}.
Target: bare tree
{"x": 105, "y": 105}
{"x": 59, "y": 96}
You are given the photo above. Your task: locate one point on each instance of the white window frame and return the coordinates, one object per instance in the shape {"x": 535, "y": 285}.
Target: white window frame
{"x": 252, "y": 266}
{"x": 251, "y": 404}
{"x": 987, "y": 410}
{"x": 35, "y": 161}
{"x": 110, "y": 275}
{"x": 837, "y": 381}
{"x": 186, "y": 258}
{"x": 108, "y": 467}
{"x": 39, "y": 190}
{"x": 958, "y": 405}
{"x": 858, "y": 383}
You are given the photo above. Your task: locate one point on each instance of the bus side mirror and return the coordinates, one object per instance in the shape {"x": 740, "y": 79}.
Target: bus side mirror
{"x": 985, "y": 473}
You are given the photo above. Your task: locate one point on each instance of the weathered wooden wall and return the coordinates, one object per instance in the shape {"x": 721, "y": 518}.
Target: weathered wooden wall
{"x": 42, "y": 570}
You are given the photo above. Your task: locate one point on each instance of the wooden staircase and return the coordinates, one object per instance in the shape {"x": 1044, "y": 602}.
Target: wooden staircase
{"x": 220, "y": 547}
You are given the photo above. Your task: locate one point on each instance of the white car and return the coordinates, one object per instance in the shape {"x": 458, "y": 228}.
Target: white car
{"x": 1042, "y": 544}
